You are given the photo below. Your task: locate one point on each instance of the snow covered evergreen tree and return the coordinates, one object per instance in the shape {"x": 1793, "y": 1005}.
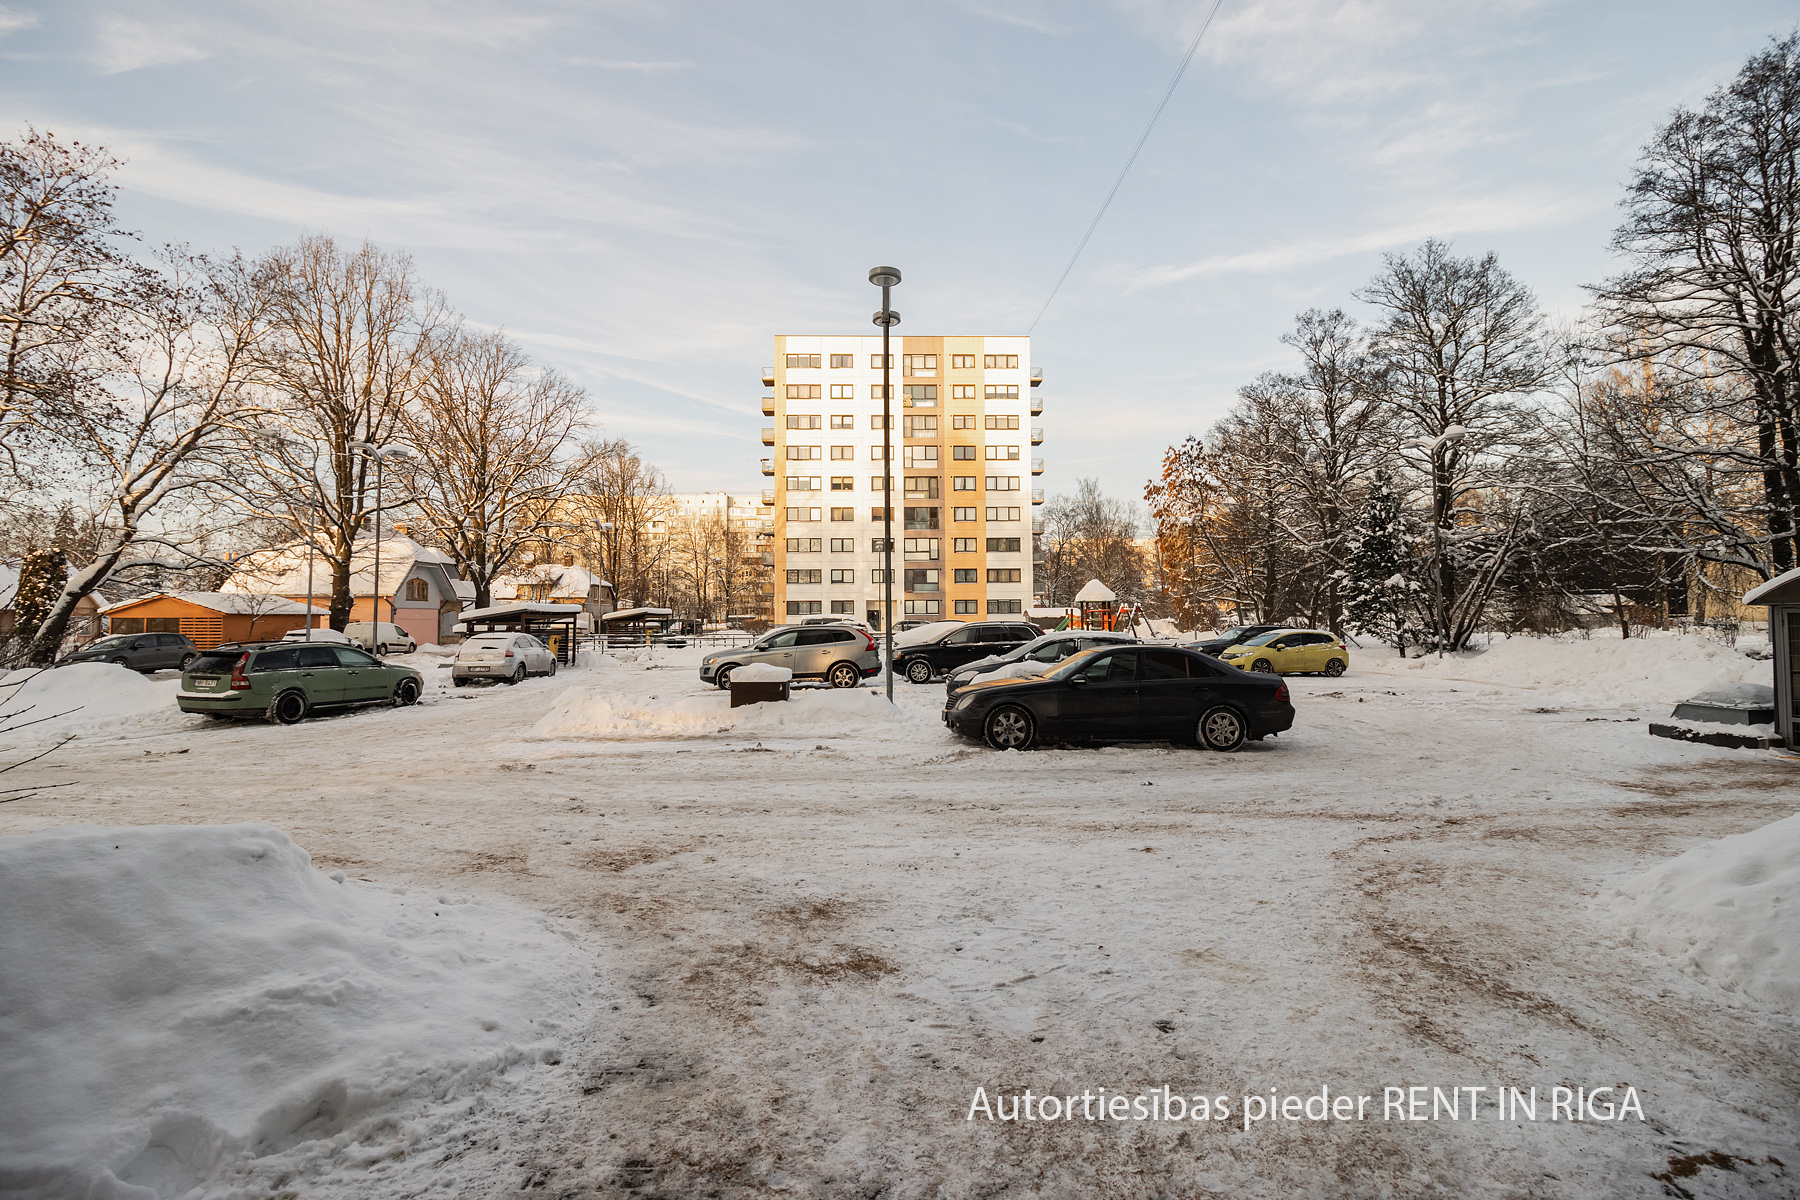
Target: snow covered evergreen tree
{"x": 41, "y": 579}
{"x": 1379, "y": 592}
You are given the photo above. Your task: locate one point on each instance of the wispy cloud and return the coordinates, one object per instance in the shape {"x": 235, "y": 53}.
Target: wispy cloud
{"x": 12, "y": 20}
{"x": 127, "y": 44}
{"x": 608, "y": 64}
{"x": 1046, "y": 28}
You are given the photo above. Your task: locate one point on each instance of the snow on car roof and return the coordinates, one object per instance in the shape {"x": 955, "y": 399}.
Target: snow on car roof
{"x": 918, "y": 635}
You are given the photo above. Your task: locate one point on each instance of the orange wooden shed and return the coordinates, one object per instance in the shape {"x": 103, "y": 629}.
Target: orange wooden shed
{"x": 208, "y": 619}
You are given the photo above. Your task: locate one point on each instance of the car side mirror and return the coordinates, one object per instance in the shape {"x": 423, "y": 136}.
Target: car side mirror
{"x": 1077, "y": 680}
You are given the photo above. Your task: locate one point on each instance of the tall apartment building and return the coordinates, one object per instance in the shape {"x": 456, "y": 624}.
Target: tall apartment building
{"x": 960, "y": 483}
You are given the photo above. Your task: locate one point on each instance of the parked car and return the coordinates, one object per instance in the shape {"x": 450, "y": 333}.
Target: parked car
{"x": 841, "y": 655}
{"x": 144, "y": 652}
{"x": 1043, "y": 652}
{"x": 1291, "y": 651}
{"x": 316, "y": 635}
{"x": 283, "y": 683}
{"x": 932, "y": 650}
{"x": 1235, "y": 636}
{"x": 381, "y": 637}
{"x": 501, "y": 656}
{"x": 1125, "y": 693}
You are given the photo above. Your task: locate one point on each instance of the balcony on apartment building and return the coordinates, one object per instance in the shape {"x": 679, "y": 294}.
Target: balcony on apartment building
{"x": 768, "y": 466}
{"x": 1037, "y": 495}
{"x": 1037, "y": 405}
{"x": 768, "y": 435}
{"x": 768, "y": 404}
{"x": 1037, "y": 377}
{"x": 1037, "y": 466}
{"x": 768, "y": 376}
{"x": 1037, "y": 435}
{"x": 768, "y": 497}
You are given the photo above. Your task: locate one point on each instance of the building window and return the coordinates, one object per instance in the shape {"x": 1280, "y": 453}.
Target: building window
{"x": 966, "y": 421}
{"x": 1002, "y": 483}
{"x": 962, "y": 514}
{"x": 963, "y": 453}
{"x": 803, "y": 545}
{"x": 804, "y": 391}
{"x": 878, "y": 576}
{"x": 875, "y": 362}
{"x": 1002, "y": 514}
{"x": 993, "y": 421}
{"x": 802, "y": 453}
{"x": 925, "y": 580}
{"x": 843, "y": 421}
{"x": 802, "y": 608}
{"x": 923, "y": 608}
{"x": 843, "y": 453}
{"x": 879, "y": 514}
{"x": 843, "y": 391}
{"x": 1003, "y": 545}
{"x": 920, "y": 549}
{"x": 417, "y": 589}
{"x": 803, "y": 577}
{"x": 843, "y": 514}
{"x": 1003, "y": 574}
{"x": 968, "y": 608}
{"x": 922, "y": 395}
{"x": 1005, "y": 606}
{"x": 921, "y": 487}
{"x": 843, "y": 607}
{"x": 993, "y": 391}
{"x": 996, "y": 362}
{"x": 919, "y": 427}
{"x": 918, "y": 364}
{"x": 802, "y": 483}
{"x": 1002, "y": 453}
{"x": 962, "y": 391}
{"x": 880, "y": 421}
{"x": 843, "y": 545}
{"x": 964, "y": 575}
{"x": 802, "y": 514}
{"x": 962, "y": 545}
{"x": 962, "y": 362}
{"x": 842, "y": 576}
{"x": 843, "y": 483}
{"x": 879, "y": 483}
{"x": 839, "y": 361}
{"x": 802, "y": 421}
{"x": 921, "y": 518}
{"x": 875, "y": 392}
{"x": 923, "y": 457}
{"x": 875, "y": 453}
{"x": 962, "y": 483}
{"x": 802, "y": 360}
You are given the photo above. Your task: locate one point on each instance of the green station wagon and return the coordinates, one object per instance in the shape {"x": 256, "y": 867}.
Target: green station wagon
{"x": 284, "y": 681}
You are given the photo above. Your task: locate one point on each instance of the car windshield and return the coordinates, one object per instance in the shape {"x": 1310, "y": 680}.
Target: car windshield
{"x": 1076, "y": 662}
{"x": 1263, "y": 639}
{"x": 1234, "y": 631}
{"x": 117, "y": 639}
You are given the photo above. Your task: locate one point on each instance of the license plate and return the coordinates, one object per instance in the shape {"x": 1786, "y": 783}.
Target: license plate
{"x": 477, "y": 668}
{"x": 206, "y": 683}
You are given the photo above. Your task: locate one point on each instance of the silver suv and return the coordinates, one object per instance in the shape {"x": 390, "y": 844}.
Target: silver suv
{"x": 841, "y": 655}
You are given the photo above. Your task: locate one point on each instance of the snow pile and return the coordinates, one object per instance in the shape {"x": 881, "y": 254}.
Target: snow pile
{"x": 762, "y": 673}
{"x": 1728, "y": 911}
{"x": 180, "y": 1002}
{"x": 592, "y": 712}
{"x": 1023, "y": 669}
{"x": 1652, "y": 673}
{"x": 97, "y": 698}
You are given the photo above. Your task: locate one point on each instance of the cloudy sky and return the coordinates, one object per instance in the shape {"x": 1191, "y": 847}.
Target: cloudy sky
{"x": 644, "y": 193}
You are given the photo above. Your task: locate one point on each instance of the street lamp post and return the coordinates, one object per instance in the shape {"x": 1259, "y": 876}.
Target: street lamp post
{"x": 380, "y": 454}
{"x": 886, "y": 278}
{"x": 1434, "y": 447}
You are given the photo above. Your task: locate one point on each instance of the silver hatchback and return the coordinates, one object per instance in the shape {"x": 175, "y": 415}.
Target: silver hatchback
{"x": 841, "y": 655}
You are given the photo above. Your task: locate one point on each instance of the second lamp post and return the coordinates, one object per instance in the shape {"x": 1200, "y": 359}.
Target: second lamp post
{"x": 886, "y": 278}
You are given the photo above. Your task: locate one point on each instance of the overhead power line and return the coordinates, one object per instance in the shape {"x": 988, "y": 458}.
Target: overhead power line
{"x": 1142, "y": 138}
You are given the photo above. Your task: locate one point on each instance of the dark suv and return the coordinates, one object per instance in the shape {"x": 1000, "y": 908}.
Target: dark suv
{"x": 947, "y": 646}
{"x": 138, "y": 651}
{"x": 1237, "y": 635}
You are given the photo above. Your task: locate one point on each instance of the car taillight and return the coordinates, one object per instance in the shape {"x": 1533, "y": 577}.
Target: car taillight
{"x": 509, "y": 654}
{"x": 240, "y": 681}
{"x": 870, "y": 638}
{"x": 1281, "y": 692}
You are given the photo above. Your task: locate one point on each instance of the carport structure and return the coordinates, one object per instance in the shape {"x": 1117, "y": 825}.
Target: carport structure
{"x": 552, "y": 624}
{"x": 1781, "y": 596}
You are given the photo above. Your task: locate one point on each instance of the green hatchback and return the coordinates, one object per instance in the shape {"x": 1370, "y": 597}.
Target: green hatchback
{"x": 284, "y": 681}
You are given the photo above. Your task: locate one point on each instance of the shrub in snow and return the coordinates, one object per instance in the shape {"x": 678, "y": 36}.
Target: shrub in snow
{"x": 1727, "y": 911}
{"x": 181, "y": 1003}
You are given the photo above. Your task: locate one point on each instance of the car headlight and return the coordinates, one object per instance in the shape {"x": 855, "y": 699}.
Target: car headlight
{"x": 964, "y": 702}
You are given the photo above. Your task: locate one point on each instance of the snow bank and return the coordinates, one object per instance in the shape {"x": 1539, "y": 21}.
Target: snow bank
{"x": 762, "y": 673}
{"x": 179, "y": 1002}
{"x": 1728, "y": 911}
{"x": 1649, "y": 673}
{"x": 592, "y": 712}
{"x": 98, "y": 698}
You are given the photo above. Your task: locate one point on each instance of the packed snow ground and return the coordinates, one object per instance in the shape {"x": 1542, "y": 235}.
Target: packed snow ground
{"x": 816, "y": 934}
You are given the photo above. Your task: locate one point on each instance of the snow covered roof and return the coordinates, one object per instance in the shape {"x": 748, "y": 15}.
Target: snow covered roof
{"x": 260, "y": 604}
{"x": 572, "y": 582}
{"x": 281, "y": 570}
{"x": 1093, "y": 592}
{"x": 1783, "y": 589}
{"x": 501, "y": 612}
{"x": 635, "y": 614}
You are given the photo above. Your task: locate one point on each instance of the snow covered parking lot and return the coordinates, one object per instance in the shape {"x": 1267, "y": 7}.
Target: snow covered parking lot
{"x": 816, "y": 932}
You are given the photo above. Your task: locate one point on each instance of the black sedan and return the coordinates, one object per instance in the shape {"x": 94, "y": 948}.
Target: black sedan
{"x": 1131, "y": 693}
{"x": 1050, "y": 649}
{"x": 1237, "y": 635}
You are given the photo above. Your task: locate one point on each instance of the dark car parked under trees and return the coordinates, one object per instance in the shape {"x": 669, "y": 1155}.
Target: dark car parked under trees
{"x": 138, "y": 651}
{"x": 1132, "y": 693}
{"x": 955, "y": 645}
{"x": 1235, "y": 636}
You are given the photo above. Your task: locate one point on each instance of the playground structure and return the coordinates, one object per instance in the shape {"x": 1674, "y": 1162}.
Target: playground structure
{"x": 1098, "y": 607}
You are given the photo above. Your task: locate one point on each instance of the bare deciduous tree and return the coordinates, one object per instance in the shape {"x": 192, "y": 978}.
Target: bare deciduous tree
{"x": 622, "y": 508}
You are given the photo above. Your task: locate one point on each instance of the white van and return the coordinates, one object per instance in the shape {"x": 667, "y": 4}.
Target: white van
{"x": 380, "y": 637}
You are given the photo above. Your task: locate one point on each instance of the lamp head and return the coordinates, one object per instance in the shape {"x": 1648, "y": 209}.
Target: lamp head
{"x": 884, "y": 277}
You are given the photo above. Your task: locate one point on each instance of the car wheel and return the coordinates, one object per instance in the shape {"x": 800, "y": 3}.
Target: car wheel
{"x": 1222, "y": 728}
{"x": 185, "y": 660}
{"x": 407, "y": 692}
{"x": 120, "y": 662}
{"x": 722, "y": 677}
{"x": 552, "y": 671}
{"x": 1009, "y": 728}
{"x": 1335, "y": 667}
{"x": 381, "y": 649}
{"x": 289, "y": 708}
{"x": 843, "y": 675}
{"x": 1263, "y": 666}
{"x": 919, "y": 671}
{"x": 518, "y": 675}
{"x": 455, "y": 682}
